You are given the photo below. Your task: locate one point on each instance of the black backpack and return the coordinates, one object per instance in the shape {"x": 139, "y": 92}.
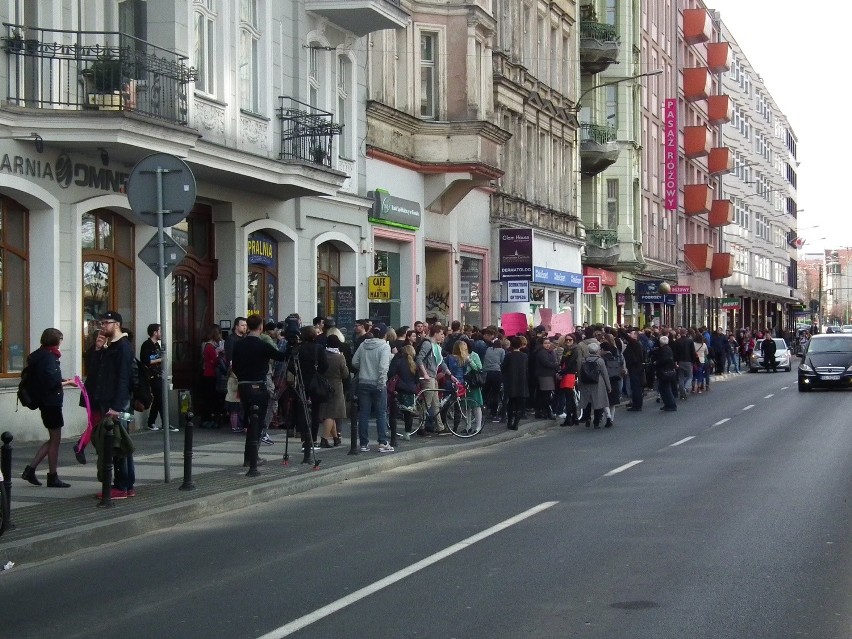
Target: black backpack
{"x": 29, "y": 394}
{"x": 141, "y": 387}
{"x": 589, "y": 372}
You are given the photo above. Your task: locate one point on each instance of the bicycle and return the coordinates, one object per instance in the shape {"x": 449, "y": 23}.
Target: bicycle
{"x": 455, "y": 409}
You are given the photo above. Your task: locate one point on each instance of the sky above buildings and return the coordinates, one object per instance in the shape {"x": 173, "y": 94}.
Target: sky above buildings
{"x": 801, "y": 60}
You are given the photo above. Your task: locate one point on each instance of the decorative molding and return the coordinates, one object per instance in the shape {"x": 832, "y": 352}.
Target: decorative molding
{"x": 209, "y": 116}
{"x": 253, "y": 131}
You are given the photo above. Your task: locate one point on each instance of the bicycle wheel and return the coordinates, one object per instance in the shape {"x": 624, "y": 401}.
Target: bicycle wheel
{"x": 460, "y": 418}
{"x": 4, "y": 507}
{"x": 580, "y": 408}
{"x": 420, "y": 413}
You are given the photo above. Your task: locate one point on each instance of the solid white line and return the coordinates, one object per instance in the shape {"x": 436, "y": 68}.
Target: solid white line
{"x": 722, "y": 421}
{"x": 325, "y": 611}
{"x": 770, "y": 395}
{"x": 749, "y": 407}
{"x": 682, "y": 441}
{"x": 621, "y": 469}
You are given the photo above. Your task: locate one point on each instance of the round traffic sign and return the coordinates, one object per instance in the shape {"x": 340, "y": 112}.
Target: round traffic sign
{"x": 178, "y": 189}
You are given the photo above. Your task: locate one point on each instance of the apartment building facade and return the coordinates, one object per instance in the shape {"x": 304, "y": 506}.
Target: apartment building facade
{"x": 761, "y": 292}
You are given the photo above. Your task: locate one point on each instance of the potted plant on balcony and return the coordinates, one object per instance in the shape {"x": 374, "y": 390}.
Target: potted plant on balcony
{"x": 103, "y": 82}
{"x": 14, "y": 42}
{"x": 318, "y": 154}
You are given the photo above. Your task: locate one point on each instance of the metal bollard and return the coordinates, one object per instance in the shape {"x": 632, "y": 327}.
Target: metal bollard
{"x": 252, "y": 441}
{"x": 6, "y": 468}
{"x": 353, "y": 426}
{"x": 187, "y": 453}
{"x": 106, "y": 480}
{"x": 393, "y": 418}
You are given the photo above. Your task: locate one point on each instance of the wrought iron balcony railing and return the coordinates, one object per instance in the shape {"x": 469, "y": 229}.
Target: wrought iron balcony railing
{"x": 307, "y": 133}
{"x": 597, "y": 133}
{"x": 604, "y": 238}
{"x": 599, "y": 31}
{"x": 97, "y": 70}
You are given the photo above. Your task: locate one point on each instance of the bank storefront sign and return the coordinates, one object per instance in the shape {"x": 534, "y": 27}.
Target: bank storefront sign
{"x": 555, "y": 277}
{"x": 394, "y": 211}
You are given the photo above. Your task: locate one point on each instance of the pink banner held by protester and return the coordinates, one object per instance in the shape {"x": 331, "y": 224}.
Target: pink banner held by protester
{"x": 514, "y": 323}
{"x": 562, "y": 323}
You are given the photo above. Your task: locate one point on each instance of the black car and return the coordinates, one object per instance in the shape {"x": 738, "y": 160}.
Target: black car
{"x": 827, "y": 362}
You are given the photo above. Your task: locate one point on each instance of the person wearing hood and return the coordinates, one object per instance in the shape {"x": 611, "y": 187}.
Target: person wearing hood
{"x": 372, "y": 360}
{"x": 666, "y": 374}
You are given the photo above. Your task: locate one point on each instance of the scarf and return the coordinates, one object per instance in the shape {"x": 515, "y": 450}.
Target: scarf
{"x": 54, "y": 350}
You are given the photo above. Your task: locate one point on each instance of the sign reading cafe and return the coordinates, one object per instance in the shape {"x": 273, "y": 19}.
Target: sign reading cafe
{"x": 64, "y": 171}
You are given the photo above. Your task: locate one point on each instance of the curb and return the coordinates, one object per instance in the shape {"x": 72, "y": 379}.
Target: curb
{"x": 58, "y": 544}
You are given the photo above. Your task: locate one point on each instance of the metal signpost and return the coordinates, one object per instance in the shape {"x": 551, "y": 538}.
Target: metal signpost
{"x": 161, "y": 192}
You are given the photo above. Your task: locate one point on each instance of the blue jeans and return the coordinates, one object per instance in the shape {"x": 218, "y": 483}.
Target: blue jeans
{"x": 372, "y": 400}
{"x": 125, "y": 472}
{"x": 734, "y": 362}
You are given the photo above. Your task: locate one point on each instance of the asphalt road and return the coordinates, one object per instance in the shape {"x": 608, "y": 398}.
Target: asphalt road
{"x": 730, "y": 518}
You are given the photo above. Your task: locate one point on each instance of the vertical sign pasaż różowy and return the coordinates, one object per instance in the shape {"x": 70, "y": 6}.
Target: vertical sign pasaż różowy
{"x": 670, "y": 165}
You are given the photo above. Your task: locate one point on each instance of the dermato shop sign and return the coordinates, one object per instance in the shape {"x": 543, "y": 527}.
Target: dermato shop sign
{"x": 394, "y": 211}
{"x": 516, "y": 249}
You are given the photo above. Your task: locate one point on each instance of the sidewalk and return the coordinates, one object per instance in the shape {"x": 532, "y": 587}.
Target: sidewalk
{"x": 52, "y": 522}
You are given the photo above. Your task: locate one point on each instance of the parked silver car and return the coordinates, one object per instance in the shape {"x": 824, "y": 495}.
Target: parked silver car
{"x": 782, "y": 356}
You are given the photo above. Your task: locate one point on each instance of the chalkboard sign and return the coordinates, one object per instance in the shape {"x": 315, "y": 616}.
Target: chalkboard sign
{"x": 380, "y": 312}
{"x": 344, "y": 310}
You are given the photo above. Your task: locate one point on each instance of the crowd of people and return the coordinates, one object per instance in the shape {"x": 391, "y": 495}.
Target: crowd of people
{"x": 308, "y": 379}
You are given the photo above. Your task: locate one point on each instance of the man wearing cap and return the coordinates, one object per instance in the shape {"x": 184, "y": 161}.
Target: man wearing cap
{"x": 372, "y": 361}
{"x": 151, "y": 357}
{"x": 112, "y": 390}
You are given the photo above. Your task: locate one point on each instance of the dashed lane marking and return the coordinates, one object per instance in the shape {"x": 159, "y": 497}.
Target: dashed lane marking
{"x": 770, "y": 395}
{"x": 749, "y": 407}
{"x": 784, "y": 387}
{"x": 621, "y": 469}
{"x": 722, "y": 421}
{"x": 320, "y": 613}
{"x": 682, "y": 441}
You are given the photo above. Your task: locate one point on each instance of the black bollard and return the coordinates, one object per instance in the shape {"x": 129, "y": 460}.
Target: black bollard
{"x": 393, "y": 418}
{"x": 353, "y": 426}
{"x": 253, "y": 441}
{"x": 187, "y": 453}
{"x": 106, "y": 479}
{"x": 6, "y": 487}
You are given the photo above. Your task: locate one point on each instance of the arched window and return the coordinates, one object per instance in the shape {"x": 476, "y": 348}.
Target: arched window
{"x": 108, "y": 258}
{"x": 263, "y": 276}
{"x": 14, "y": 286}
{"x": 328, "y": 277}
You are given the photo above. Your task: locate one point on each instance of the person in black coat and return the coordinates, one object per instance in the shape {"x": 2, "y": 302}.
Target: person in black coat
{"x": 666, "y": 374}
{"x": 768, "y": 348}
{"x": 515, "y": 386}
{"x": 634, "y": 361}
{"x": 47, "y": 378}
{"x": 403, "y": 373}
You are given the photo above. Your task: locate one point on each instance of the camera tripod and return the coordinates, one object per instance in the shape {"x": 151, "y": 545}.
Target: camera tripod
{"x": 307, "y": 433}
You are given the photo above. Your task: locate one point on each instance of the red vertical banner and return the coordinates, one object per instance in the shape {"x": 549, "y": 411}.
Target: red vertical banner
{"x": 670, "y": 165}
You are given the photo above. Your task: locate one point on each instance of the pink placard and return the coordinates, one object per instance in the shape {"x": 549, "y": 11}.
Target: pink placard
{"x": 670, "y": 168}
{"x": 514, "y": 323}
{"x": 545, "y": 315}
{"x": 562, "y": 323}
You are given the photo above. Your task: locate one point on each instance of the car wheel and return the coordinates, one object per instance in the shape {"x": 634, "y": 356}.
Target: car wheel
{"x": 788, "y": 369}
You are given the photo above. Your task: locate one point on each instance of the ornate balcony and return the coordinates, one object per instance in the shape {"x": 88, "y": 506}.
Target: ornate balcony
{"x": 599, "y": 47}
{"x": 306, "y": 132}
{"x": 94, "y": 71}
{"x": 598, "y": 148}
{"x": 361, "y": 16}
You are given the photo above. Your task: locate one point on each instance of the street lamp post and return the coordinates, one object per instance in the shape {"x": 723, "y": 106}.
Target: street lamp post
{"x": 578, "y": 104}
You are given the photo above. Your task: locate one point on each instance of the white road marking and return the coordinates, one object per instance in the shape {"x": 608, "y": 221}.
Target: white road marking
{"x": 348, "y": 600}
{"x": 784, "y": 387}
{"x": 682, "y": 441}
{"x": 749, "y": 407}
{"x": 621, "y": 469}
{"x": 770, "y": 395}
{"x": 722, "y": 421}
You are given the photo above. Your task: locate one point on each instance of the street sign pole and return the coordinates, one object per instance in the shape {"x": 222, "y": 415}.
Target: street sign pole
{"x": 164, "y": 329}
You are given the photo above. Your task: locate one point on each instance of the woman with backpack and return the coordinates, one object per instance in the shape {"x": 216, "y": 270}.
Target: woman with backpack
{"x": 47, "y": 388}
{"x": 594, "y": 384}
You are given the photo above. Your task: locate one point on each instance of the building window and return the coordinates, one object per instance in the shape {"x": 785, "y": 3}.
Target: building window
{"x": 248, "y": 62}
{"x": 344, "y": 106}
{"x": 612, "y": 204}
{"x": 108, "y": 259}
{"x": 612, "y": 106}
{"x": 611, "y": 12}
{"x": 205, "y": 45}
{"x": 14, "y": 286}
{"x": 314, "y": 80}
{"x": 429, "y": 75}
{"x": 328, "y": 278}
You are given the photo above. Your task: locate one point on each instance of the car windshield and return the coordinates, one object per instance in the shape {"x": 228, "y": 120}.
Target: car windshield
{"x": 830, "y": 345}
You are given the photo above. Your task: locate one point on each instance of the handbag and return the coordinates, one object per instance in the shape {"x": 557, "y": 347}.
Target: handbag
{"x": 319, "y": 389}
{"x": 475, "y": 377}
{"x": 668, "y": 374}
{"x": 569, "y": 380}
{"x": 392, "y": 382}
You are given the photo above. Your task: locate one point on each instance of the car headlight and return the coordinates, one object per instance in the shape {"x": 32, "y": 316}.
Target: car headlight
{"x": 806, "y": 368}
{"x": 754, "y": 355}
